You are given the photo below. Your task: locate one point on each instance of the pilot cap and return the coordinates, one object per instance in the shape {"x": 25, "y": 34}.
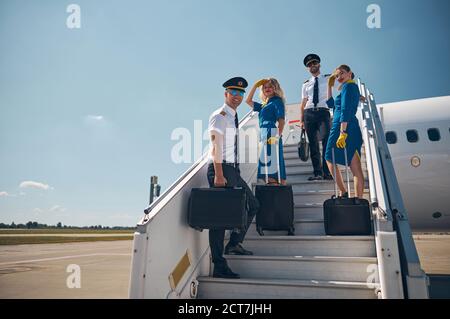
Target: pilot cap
{"x": 311, "y": 57}
{"x": 237, "y": 83}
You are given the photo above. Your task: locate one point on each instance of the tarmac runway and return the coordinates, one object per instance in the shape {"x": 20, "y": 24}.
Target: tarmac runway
{"x": 41, "y": 271}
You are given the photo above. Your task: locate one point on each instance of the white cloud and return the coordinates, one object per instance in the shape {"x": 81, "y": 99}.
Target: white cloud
{"x": 6, "y": 194}
{"x": 37, "y": 185}
{"x": 95, "y": 118}
{"x": 37, "y": 210}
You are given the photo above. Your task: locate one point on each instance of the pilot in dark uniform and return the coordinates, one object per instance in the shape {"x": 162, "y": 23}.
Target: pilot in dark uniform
{"x": 315, "y": 115}
{"x": 223, "y": 169}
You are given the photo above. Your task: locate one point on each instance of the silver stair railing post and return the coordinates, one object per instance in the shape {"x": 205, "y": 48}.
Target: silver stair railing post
{"x": 414, "y": 279}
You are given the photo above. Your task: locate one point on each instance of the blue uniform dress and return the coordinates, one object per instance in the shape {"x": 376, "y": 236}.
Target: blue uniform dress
{"x": 345, "y": 107}
{"x": 269, "y": 113}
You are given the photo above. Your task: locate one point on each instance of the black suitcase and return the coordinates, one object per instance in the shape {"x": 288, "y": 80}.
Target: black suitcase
{"x": 217, "y": 208}
{"x": 276, "y": 208}
{"x": 276, "y": 205}
{"x": 346, "y": 216}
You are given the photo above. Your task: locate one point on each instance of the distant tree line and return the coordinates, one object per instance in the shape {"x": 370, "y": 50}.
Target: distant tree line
{"x": 36, "y": 225}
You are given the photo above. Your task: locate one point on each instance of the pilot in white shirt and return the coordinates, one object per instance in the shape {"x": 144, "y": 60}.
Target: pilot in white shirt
{"x": 223, "y": 170}
{"x": 315, "y": 116}
{"x": 308, "y": 91}
{"x": 222, "y": 121}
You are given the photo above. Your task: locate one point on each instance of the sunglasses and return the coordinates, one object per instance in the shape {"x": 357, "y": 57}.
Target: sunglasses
{"x": 236, "y": 92}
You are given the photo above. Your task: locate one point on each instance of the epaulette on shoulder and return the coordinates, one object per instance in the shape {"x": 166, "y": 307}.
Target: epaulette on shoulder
{"x": 223, "y": 113}
{"x": 306, "y": 81}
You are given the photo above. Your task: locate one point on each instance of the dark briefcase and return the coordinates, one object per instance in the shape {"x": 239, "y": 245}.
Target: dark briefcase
{"x": 303, "y": 147}
{"x": 347, "y": 216}
{"x": 217, "y": 208}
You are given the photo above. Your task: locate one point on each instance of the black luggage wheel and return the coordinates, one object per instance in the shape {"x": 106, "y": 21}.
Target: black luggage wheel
{"x": 260, "y": 231}
{"x": 291, "y": 231}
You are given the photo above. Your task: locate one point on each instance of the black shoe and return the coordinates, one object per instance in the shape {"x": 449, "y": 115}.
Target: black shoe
{"x": 328, "y": 177}
{"x": 237, "y": 250}
{"x": 315, "y": 178}
{"x": 224, "y": 272}
{"x": 344, "y": 195}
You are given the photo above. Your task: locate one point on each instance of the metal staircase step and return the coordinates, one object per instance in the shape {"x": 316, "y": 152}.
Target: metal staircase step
{"x": 308, "y": 211}
{"x": 292, "y": 161}
{"x": 299, "y": 169}
{"x": 304, "y": 268}
{"x": 303, "y": 177}
{"x": 218, "y": 288}
{"x": 303, "y": 186}
{"x": 344, "y": 246}
{"x": 319, "y": 196}
{"x": 302, "y": 227}
{"x": 299, "y": 164}
{"x": 292, "y": 149}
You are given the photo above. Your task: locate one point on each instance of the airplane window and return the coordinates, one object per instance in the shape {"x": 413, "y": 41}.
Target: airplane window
{"x": 433, "y": 134}
{"x": 391, "y": 137}
{"x": 412, "y": 136}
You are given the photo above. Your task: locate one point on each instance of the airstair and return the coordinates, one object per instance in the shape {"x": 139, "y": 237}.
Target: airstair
{"x": 172, "y": 260}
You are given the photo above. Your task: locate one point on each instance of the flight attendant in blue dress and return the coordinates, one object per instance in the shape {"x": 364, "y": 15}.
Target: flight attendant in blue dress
{"x": 345, "y": 131}
{"x": 271, "y": 112}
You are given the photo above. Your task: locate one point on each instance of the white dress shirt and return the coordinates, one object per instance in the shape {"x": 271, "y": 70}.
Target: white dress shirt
{"x": 308, "y": 91}
{"x": 222, "y": 121}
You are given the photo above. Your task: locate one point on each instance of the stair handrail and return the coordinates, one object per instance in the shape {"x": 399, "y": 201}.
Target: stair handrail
{"x": 415, "y": 281}
{"x": 148, "y": 211}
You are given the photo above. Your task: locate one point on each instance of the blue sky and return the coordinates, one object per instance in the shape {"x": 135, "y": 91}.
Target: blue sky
{"x": 86, "y": 115}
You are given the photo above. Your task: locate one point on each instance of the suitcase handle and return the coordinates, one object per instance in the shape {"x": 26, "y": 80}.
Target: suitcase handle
{"x": 346, "y": 171}
{"x": 303, "y": 134}
{"x": 277, "y": 151}
{"x": 227, "y": 187}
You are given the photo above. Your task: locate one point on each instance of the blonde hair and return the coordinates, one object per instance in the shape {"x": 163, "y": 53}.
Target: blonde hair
{"x": 278, "y": 91}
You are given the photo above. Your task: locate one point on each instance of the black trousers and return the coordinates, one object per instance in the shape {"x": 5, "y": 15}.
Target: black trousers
{"x": 216, "y": 237}
{"x": 317, "y": 125}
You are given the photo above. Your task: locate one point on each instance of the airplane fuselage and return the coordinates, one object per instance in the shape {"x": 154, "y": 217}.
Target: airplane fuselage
{"x": 418, "y": 135}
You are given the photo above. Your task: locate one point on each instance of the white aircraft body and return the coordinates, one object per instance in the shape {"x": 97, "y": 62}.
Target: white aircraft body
{"x": 418, "y": 136}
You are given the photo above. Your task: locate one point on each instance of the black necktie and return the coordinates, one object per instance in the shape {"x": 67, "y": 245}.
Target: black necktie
{"x": 316, "y": 92}
{"x": 236, "y": 124}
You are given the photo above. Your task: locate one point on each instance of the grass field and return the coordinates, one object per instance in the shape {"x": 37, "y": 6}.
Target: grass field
{"x": 56, "y": 240}
{"x": 61, "y": 235}
{"x": 66, "y": 231}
